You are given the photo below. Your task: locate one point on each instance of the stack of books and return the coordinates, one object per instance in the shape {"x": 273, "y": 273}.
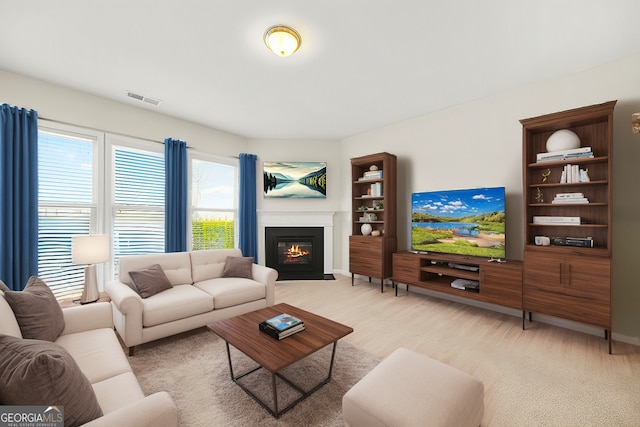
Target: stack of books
{"x": 369, "y": 175}
{"x": 569, "y": 198}
{"x": 554, "y": 156}
{"x": 281, "y": 326}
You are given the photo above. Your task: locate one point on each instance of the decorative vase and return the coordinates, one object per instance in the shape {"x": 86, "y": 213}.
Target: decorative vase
{"x": 365, "y": 229}
{"x": 563, "y": 139}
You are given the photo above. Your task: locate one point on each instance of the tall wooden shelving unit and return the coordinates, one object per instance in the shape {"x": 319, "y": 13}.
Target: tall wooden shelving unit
{"x": 372, "y": 255}
{"x": 567, "y": 281}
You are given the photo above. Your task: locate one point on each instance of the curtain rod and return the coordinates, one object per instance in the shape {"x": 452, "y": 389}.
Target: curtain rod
{"x": 114, "y": 133}
{"x": 103, "y": 130}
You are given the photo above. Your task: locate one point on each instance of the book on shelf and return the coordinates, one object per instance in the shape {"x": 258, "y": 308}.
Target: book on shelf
{"x": 376, "y": 189}
{"x": 572, "y": 174}
{"x": 582, "y": 152}
{"x": 557, "y": 220}
{"x": 274, "y": 333}
{"x": 568, "y": 195}
{"x": 568, "y": 201}
{"x": 570, "y": 198}
{"x": 371, "y": 175}
{"x": 283, "y": 321}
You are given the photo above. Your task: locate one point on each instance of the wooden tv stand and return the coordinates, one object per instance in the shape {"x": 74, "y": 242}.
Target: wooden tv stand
{"x": 500, "y": 282}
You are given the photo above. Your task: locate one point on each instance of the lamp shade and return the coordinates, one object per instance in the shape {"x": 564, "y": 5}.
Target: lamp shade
{"x": 91, "y": 249}
{"x": 282, "y": 40}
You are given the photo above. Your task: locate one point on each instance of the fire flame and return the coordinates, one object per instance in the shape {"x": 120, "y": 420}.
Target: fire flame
{"x": 294, "y": 252}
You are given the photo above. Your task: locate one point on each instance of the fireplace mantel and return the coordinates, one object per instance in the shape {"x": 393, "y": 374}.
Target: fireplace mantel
{"x": 298, "y": 219}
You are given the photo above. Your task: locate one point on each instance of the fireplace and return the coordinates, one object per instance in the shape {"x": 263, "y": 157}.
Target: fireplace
{"x": 296, "y": 252}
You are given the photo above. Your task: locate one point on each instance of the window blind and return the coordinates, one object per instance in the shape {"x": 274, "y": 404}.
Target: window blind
{"x": 65, "y": 207}
{"x": 138, "y": 203}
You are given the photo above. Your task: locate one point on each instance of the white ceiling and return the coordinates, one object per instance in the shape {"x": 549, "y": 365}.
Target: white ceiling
{"x": 363, "y": 64}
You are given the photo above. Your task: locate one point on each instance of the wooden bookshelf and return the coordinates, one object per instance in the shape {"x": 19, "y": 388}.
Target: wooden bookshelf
{"x": 570, "y": 282}
{"x": 374, "y": 204}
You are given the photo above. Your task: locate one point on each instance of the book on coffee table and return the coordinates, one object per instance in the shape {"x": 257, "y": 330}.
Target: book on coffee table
{"x": 283, "y": 321}
{"x": 274, "y": 333}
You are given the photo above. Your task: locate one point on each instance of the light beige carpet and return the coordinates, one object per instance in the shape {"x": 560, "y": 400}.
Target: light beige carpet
{"x": 193, "y": 368}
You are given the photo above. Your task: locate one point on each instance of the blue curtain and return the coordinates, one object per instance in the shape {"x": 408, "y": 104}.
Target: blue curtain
{"x": 248, "y": 223}
{"x": 18, "y": 195}
{"x": 175, "y": 219}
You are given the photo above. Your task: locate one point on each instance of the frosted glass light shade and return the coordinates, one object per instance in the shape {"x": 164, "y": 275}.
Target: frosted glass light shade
{"x": 91, "y": 249}
{"x": 282, "y": 40}
{"x": 563, "y": 139}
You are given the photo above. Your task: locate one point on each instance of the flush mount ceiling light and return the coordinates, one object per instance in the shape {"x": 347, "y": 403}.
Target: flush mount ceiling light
{"x": 282, "y": 40}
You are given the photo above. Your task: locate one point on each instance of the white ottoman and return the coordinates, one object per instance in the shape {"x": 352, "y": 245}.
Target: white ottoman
{"x": 409, "y": 389}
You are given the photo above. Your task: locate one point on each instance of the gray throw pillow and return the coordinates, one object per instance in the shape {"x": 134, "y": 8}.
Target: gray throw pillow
{"x": 150, "y": 281}
{"x": 35, "y": 372}
{"x": 3, "y": 287}
{"x": 37, "y": 311}
{"x": 238, "y": 267}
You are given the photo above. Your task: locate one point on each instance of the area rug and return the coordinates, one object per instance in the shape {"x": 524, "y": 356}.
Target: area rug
{"x": 193, "y": 368}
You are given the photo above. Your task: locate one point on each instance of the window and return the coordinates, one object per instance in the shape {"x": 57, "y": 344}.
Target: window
{"x": 213, "y": 203}
{"x": 137, "y": 198}
{"x": 91, "y": 182}
{"x": 67, "y": 202}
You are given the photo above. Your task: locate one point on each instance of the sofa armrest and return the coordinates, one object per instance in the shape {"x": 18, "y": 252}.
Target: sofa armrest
{"x": 155, "y": 410}
{"x": 87, "y": 317}
{"x": 266, "y": 276}
{"x": 122, "y": 296}
{"x": 127, "y": 311}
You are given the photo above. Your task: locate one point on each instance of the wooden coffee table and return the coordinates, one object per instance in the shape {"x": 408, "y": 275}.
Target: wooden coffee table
{"x": 274, "y": 355}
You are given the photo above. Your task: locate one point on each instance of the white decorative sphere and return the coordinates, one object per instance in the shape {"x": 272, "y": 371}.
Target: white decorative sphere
{"x": 373, "y": 168}
{"x": 366, "y": 229}
{"x": 563, "y": 139}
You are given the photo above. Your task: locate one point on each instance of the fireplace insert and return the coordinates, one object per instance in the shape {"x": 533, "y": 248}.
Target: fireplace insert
{"x": 296, "y": 252}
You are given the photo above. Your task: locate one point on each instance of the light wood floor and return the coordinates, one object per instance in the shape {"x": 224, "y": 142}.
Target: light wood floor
{"x": 544, "y": 375}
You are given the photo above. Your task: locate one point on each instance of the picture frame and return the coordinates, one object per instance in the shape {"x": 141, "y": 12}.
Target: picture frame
{"x": 295, "y": 180}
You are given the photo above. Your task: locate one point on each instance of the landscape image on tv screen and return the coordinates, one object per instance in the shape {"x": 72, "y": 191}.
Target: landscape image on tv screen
{"x": 465, "y": 222}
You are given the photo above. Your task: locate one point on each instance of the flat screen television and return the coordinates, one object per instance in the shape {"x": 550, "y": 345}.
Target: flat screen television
{"x": 464, "y": 222}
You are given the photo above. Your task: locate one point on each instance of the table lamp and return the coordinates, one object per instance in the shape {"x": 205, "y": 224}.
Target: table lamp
{"x": 90, "y": 250}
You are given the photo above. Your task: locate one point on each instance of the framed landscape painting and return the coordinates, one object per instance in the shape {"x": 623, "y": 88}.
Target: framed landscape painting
{"x": 289, "y": 180}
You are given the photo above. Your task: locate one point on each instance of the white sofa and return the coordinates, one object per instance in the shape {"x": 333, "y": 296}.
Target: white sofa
{"x": 89, "y": 338}
{"x": 199, "y": 296}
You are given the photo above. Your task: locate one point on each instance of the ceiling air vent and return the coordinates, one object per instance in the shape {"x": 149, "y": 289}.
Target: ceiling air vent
{"x": 148, "y": 100}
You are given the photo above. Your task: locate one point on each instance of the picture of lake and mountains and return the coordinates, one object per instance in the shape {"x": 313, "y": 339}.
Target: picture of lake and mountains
{"x": 295, "y": 179}
{"x": 466, "y": 222}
